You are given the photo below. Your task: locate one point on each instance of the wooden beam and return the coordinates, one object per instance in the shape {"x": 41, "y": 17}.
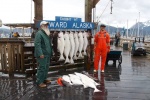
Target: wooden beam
{"x": 95, "y": 2}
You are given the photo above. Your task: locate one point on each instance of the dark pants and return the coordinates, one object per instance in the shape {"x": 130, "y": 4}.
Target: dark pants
{"x": 42, "y": 70}
{"x": 117, "y": 41}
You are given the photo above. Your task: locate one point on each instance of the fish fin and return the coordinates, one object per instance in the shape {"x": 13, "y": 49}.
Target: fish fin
{"x": 85, "y": 86}
{"x": 96, "y": 84}
{"x": 96, "y": 90}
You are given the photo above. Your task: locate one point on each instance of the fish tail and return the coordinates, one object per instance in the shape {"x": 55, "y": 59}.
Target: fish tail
{"x": 84, "y": 53}
{"x": 75, "y": 57}
{"x": 71, "y": 61}
{"x": 80, "y": 55}
{"x": 67, "y": 60}
{"x": 61, "y": 57}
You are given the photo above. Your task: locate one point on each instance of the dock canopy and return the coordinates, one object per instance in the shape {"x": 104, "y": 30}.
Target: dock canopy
{"x": 19, "y": 25}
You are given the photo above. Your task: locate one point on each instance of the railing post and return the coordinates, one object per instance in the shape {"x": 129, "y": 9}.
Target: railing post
{"x": 85, "y": 62}
{"x": 10, "y": 60}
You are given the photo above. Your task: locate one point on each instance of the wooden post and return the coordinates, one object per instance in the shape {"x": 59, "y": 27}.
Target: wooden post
{"x": 22, "y": 56}
{"x": 89, "y": 52}
{"x": 88, "y": 10}
{"x": 38, "y": 11}
{"x": 10, "y": 60}
{"x": 86, "y": 62}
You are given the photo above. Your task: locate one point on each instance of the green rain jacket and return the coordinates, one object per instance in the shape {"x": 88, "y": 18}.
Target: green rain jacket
{"x": 42, "y": 44}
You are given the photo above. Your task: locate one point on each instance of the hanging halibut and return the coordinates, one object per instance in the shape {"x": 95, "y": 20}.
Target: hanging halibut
{"x": 80, "y": 36}
{"x": 76, "y": 45}
{"x": 61, "y": 45}
{"x": 85, "y": 42}
{"x": 67, "y": 46}
{"x": 72, "y": 45}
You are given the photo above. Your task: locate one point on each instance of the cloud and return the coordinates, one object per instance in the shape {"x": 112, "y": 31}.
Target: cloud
{"x": 15, "y": 11}
{"x": 68, "y": 8}
{"x": 124, "y": 10}
{"x": 19, "y": 11}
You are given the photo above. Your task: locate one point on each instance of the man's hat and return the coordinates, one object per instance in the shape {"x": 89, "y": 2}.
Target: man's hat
{"x": 102, "y": 25}
{"x": 44, "y": 23}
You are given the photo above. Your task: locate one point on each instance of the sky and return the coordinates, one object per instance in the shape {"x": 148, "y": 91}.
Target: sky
{"x": 22, "y": 11}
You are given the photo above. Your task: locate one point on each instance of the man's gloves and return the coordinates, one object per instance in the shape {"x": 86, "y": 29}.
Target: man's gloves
{"x": 42, "y": 56}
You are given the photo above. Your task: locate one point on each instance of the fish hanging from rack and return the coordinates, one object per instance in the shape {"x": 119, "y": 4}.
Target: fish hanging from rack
{"x": 76, "y": 45}
{"x": 85, "y": 34}
{"x": 67, "y": 47}
{"x": 80, "y": 36}
{"x": 72, "y": 45}
{"x": 61, "y": 45}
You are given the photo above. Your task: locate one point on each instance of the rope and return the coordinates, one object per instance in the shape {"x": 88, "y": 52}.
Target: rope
{"x": 103, "y": 11}
{"x": 31, "y": 12}
{"x": 31, "y": 18}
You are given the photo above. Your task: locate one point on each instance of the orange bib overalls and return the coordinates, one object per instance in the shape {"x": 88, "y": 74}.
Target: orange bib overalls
{"x": 101, "y": 39}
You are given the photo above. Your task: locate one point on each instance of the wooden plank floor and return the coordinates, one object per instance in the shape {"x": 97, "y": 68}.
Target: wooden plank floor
{"x": 130, "y": 81}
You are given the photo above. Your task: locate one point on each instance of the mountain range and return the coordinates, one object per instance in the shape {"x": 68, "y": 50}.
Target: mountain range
{"x": 4, "y": 30}
{"x": 144, "y": 29}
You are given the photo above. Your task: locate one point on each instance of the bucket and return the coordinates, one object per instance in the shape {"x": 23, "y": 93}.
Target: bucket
{"x": 125, "y": 46}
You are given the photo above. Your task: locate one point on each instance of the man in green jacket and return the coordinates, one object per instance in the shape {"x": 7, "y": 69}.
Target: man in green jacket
{"x": 42, "y": 53}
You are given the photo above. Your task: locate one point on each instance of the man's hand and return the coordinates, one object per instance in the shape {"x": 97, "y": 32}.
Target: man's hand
{"x": 94, "y": 46}
{"x": 42, "y": 56}
{"x": 108, "y": 49}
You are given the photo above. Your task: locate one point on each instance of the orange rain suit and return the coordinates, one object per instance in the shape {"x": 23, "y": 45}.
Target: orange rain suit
{"x": 102, "y": 47}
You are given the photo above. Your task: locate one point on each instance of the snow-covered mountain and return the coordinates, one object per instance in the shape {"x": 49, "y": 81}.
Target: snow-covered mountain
{"x": 147, "y": 23}
{"x": 144, "y": 28}
{"x": 142, "y": 24}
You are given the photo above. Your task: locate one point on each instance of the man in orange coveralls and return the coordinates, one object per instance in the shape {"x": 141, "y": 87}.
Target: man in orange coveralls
{"x": 101, "y": 48}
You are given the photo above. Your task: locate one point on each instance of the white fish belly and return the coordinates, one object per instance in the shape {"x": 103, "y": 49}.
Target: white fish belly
{"x": 67, "y": 48}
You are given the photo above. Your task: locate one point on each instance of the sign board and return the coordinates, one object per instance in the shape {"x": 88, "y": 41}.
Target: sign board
{"x": 68, "y": 23}
{"x": 67, "y": 19}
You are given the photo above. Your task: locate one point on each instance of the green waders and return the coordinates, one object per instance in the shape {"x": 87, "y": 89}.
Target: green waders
{"x": 42, "y": 70}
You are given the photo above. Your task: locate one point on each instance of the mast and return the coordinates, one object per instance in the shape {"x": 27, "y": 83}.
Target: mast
{"x": 138, "y": 25}
{"x": 135, "y": 29}
{"x": 127, "y": 29}
{"x": 0, "y": 23}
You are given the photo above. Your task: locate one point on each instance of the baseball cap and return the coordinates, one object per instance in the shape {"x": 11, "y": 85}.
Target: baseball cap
{"x": 102, "y": 25}
{"x": 43, "y": 23}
